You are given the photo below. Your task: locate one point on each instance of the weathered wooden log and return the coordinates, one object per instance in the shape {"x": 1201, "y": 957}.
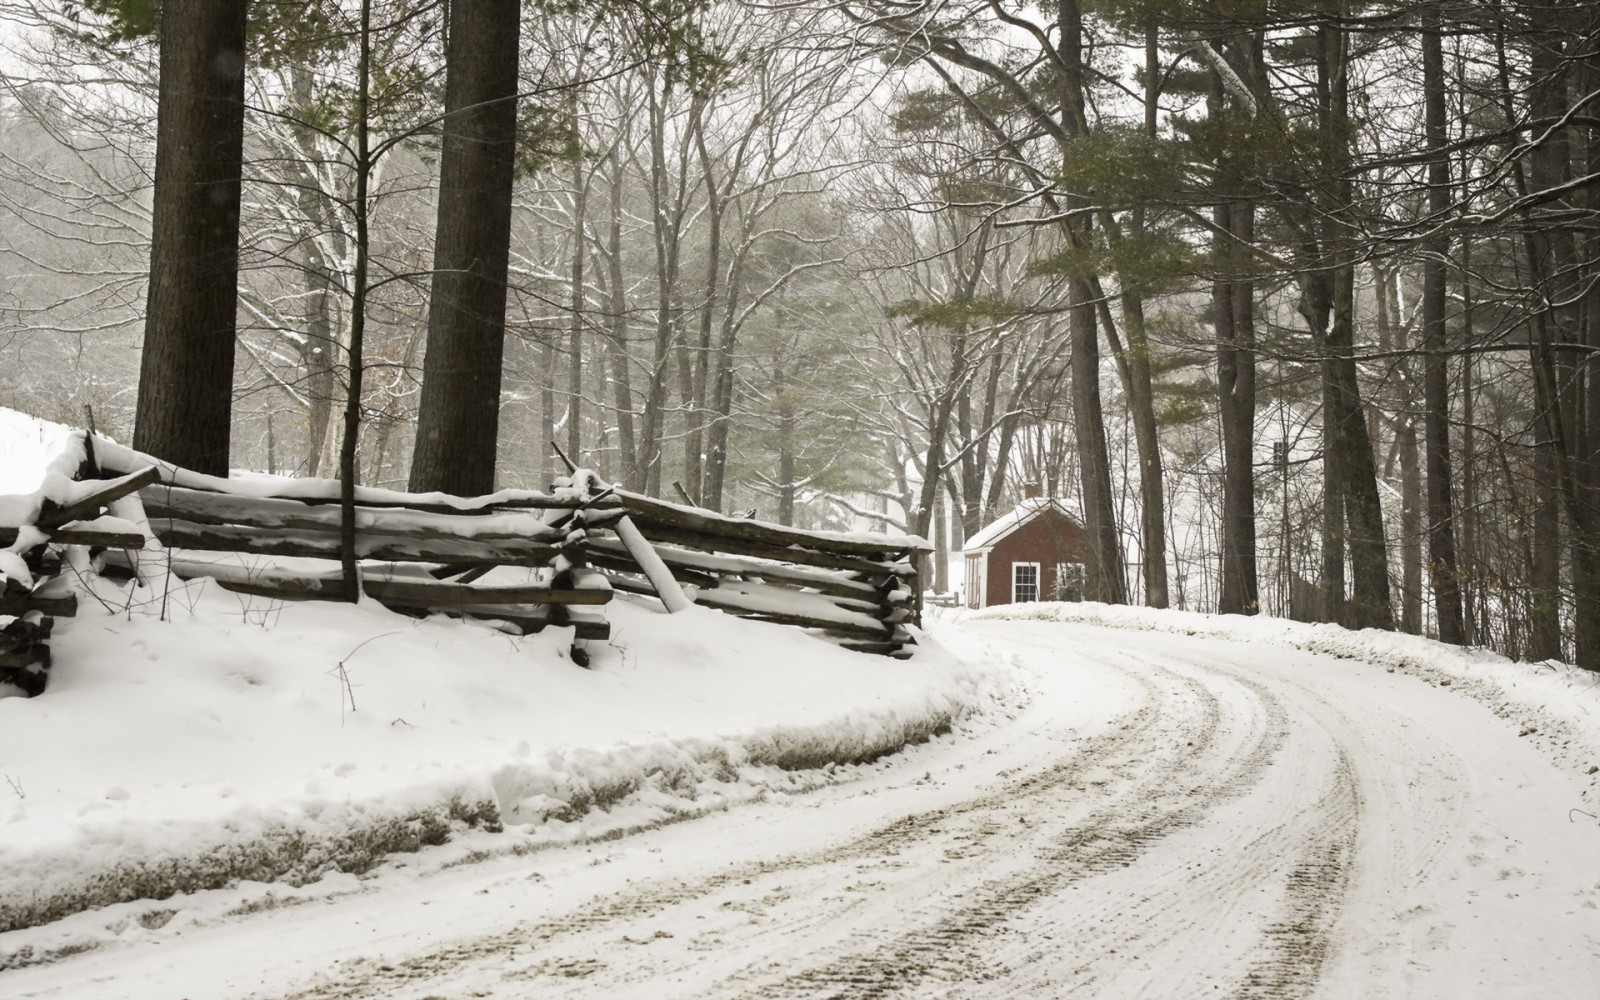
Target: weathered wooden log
{"x": 650, "y": 564}
{"x": 63, "y": 606}
{"x": 27, "y": 669}
{"x": 24, "y": 632}
{"x": 272, "y": 514}
{"x": 97, "y": 499}
{"x": 417, "y": 592}
{"x": 609, "y": 559}
{"x": 317, "y": 492}
{"x": 894, "y": 649}
{"x": 412, "y": 593}
{"x": 586, "y": 622}
{"x": 91, "y": 534}
{"x": 872, "y": 568}
{"x": 178, "y": 534}
{"x": 707, "y": 565}
{"x": 788, "y": 607}
{"x": 658, "y": 512}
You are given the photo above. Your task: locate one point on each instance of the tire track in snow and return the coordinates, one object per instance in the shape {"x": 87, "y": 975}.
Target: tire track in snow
{"x": 955, "y": 944}
{"x": 960, "y": 832}
{"x": 871, "y": 924}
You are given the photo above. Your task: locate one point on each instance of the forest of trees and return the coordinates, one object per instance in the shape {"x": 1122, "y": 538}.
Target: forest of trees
{"x": 1297, "y": 304}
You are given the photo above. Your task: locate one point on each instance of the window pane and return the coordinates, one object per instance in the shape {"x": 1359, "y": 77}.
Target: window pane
{"x": 1024, "y": 582}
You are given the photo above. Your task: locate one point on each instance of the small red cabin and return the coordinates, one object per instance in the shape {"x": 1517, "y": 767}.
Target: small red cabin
{"x": 1035, "y": 553}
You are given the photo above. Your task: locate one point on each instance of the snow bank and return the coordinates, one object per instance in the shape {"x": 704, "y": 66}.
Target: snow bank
{"x": 192, "y": 738}
{"x": 1554, "y": 705}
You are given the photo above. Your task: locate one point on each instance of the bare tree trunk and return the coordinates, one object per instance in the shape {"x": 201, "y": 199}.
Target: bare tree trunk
{"x": 696, "y": 404}
{"x": 617, "y": 319}
{"x": 1141, "y": 394}
{"x": 1586, "y": 614}
{"x": 666, "y": 218}
{"x": 786, "y": 443}
{"x": 1233, "y": 316}
{"x": 580, "y": 250}
{"x": 458, "y": 418}
{"x": 1443, "y": 572}
{"x": 1105, "y": 579}
{"x": 186, "y": 373}
{"x": 1550, "y": 247}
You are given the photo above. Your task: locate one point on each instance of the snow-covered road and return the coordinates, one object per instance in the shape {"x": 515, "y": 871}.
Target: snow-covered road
{"x": 1169, "y": 817}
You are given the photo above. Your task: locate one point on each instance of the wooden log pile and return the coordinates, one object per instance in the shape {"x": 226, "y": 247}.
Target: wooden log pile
{"x": 33, "y": 593}
{"x": 859, "y": 589}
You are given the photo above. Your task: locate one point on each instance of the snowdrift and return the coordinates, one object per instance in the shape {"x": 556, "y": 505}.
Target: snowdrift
{"x": 193, "y": 738}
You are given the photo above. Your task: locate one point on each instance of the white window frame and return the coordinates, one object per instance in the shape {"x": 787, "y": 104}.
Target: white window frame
{"x": 1037, "y": 580}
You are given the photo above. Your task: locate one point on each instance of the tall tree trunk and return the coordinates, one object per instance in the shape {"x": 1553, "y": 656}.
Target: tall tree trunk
{"x": 1105, "y": 578}
{"x": 696, "y": 406}
{"x": 1586, "y": 613}
{"x": 1411, "y": 530}
{"x": 1369, "y": 605}
{"x": 1233, "y": 317}
{"x": 580, "y": 251}
{"x": 1316, "y": 305}
{"x": 1550, "y": 246}
{"x": 629, "y": 474}
{"x": 458, "y": 417}
{"x": 186, "y": 371}
{"x": 1141, "y": 393}
{"x": 787, "y": 427}
{"x": 666, "y": 218}
{"x": 1444, "y": 575}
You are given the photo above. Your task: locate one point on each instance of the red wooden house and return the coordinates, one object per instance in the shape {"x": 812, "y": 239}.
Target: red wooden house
{"x": 1035, "y": 553}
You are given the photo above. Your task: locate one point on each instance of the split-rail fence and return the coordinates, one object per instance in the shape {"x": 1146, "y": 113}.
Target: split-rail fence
{"x": 525, "y": 560}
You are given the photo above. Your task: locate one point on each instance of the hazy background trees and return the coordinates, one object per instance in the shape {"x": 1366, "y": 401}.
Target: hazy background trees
{"x": 1296, "y": 303}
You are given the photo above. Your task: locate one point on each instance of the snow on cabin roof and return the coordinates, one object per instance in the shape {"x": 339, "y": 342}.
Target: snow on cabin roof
{"x": 1025, "y": 511}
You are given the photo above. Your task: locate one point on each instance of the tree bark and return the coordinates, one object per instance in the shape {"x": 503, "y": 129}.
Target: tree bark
{"x": 1105, "y": 578}
{"x": 458, "y": 417}
{"x": 186, "y": 372}
{"x": 1443, "y": 572}
{"x": 1233, "y": 317}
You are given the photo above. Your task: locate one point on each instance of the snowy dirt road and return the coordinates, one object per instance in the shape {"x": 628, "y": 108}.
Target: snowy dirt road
{"x": 1168, "y": 817}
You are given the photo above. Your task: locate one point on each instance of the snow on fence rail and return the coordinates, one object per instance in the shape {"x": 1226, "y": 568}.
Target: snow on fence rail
{"x": 861, "y": 588}
{"x": 524, "y": 559}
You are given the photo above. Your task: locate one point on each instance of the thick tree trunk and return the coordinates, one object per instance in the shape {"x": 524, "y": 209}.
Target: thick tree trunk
{"x": 1105, "y": 576}
{"x": 458, "y": 417}
{"x": 186, "y": 372}
{"x": 1316, "y": 305}
{"x": 1369, "y": 605}
{"x": 1550, "y": 245}
{"x": 1586, "y": 615}
{"x": 1105, "y": 579}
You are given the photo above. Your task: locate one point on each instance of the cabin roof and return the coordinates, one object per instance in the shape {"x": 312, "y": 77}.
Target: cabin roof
{"x": 1002, "y": 526}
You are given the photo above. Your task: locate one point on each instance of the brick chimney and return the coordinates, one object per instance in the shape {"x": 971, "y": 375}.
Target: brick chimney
{"x": 1032, "y": 491}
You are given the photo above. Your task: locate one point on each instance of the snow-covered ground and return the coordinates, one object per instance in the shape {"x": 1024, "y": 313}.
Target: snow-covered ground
{"x": 1046, "y": 800}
